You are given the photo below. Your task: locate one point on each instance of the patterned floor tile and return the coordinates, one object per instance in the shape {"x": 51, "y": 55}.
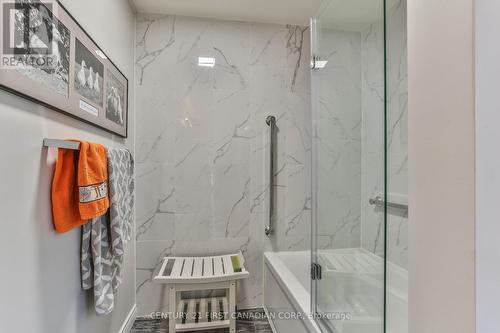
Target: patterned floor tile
{"x": 249, "y": 321}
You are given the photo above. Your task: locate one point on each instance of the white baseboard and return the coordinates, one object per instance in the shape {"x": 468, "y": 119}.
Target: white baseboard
{"x": 129, "y": 321}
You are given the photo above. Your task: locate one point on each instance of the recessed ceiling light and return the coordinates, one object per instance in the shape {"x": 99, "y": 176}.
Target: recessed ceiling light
{"x": 206, "y": 62}
{"x": 101, "y": 54}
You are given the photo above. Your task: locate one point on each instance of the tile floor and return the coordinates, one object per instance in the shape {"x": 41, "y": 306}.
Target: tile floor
{"x": 249, "y": 321}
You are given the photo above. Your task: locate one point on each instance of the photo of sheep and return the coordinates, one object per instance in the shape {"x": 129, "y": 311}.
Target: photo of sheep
{"x": 45, "y": 45}
{"x": 89, "y": 73}
{"x": 115, "y": 99}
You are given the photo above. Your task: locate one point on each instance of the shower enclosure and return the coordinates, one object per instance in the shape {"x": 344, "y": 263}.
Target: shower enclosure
{"x": 359, "y": 166}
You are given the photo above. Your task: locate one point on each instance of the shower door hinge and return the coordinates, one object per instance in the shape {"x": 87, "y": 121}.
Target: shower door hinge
{"x": 313, "y": 62}
{"x": 315, "y": 271}
{"x": 317, "y": 63}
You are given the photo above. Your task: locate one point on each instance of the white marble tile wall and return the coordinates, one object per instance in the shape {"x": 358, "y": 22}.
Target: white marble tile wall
{"x": 338, "y": 139}
{"x": 397, "y": 83}
{"x": 397, "y": 134}
{"x": 349, "y": 99}
{"x": 372, "y": 157}
{"x": 202, "y": 144}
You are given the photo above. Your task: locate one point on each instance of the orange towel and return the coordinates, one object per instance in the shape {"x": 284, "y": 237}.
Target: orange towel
{"x": 65, "y": 210}
{"x": 79, "y": 186}
{"x": 93, "y": 180}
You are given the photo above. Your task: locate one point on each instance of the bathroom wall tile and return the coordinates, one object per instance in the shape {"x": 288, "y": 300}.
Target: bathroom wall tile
{"x": 297, "y": 47}
{"x": 167, "y": 188}
{"x": 147, "y": 190}
{"x": 192, "y": 227}
{"x": 231, "y": 200}
{"x": 156, "y": 49}
{"x": 230, "y": 42}
{"x": 159, "y": 227}
{"x": 196, "y": 103}
{"x": 250, "y": 291}
{"x": 150, "y": 253}
{"x": 192, "y": 177}
{"x": 295, "y": 243}
{"x": 155, "y": 143}
{"x": 267, "y": 45}
{"x": 397, "y": 238}
{"x": 151, "y": 296}
{"x": 338, "y": 140}
{"x": 397, "y": 134}
{"x": 373, "y": 139}
{"x": 205, "y": 144}
{"x": 267, "y": 91}
{"x": 267, "y": 96}
{"x": 192, "y": 38}
{"x": 232, "y": 127}
{"x": 298, "y": 194}
{"x": 155, "y": 91}
{"x": 192, "y": 198}
{"x": 397, "y": 85}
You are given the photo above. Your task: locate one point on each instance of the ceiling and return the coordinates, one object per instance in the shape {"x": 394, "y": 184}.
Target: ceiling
{"x": 355, "y": 15}
{"x": 350, "y": 15}
{"x": 268, "y": 11}
{"x": 340, "y": 14}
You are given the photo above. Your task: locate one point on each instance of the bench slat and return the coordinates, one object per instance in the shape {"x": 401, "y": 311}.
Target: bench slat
{"x": 203, "y": 310}
{"x": 218, "y": 266}
{"x": 188, "y": 268}
{"x": 176, "y": 270}
{"x": 198, "y": 265}
{"x": 226, "y": 308}
{"x": 199, "y": 270}
{"x": 191, "y": 311}
{"x": 228, "y": 265}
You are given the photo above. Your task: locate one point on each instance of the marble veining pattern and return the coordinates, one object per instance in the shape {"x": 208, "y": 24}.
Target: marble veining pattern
{"x": 203, "y": 145}
{"x": 349, "y": 136}
{"x": 397, "y": 134}
{"x": 338, "y": 140}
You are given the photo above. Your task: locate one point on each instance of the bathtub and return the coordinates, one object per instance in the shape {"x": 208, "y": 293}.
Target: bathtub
{"x": 287, "y": 299}
{"x": 287, "y": 287}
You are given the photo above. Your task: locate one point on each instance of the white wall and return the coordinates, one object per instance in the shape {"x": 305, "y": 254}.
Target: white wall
{"x": 40, "y": 283}
{"x": 441, "y": 165}
{"x": 487, "y": 165}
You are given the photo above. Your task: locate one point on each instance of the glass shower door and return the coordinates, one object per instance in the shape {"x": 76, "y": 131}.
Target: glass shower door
{"x": 348, "y": 270}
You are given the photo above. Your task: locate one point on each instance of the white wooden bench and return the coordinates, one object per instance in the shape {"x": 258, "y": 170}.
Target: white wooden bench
{"x": 190, "y": 274}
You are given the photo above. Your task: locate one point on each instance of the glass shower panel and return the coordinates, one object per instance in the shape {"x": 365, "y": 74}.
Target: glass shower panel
{"x": 349, "y": 166}
{"x": 397, "y": 169}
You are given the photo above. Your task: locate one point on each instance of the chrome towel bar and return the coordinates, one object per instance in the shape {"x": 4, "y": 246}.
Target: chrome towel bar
{"x": 65, "y": 144}
{"x": 378, "y": 201}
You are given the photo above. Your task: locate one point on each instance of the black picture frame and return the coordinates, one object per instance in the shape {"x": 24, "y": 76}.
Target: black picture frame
{"x": 103, "y": 99}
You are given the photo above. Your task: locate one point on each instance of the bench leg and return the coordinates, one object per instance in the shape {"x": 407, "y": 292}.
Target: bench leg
{"x": 232, "y": 306}
{"x": 172, "y": 309}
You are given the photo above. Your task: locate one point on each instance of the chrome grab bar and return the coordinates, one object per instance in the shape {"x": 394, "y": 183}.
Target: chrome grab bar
{"x": 378, "y": 201}
{"x": 271, "y": 122}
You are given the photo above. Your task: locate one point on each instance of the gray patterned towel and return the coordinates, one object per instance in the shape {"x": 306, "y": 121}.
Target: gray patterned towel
{"x": 97, "y": 263}
{"x": 121, "y": 190}
{"x": 103, "y": 238}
